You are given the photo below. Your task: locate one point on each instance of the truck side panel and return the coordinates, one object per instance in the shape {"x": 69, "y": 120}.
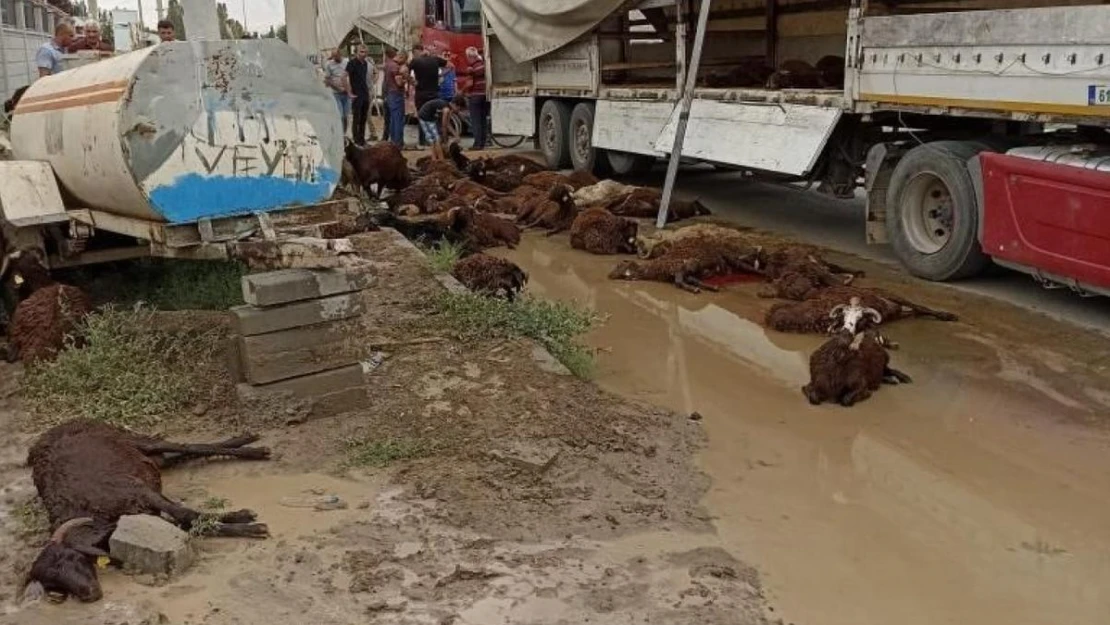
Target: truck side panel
{"x": 630, "y": 126}
{"x": 514, "y": 115}
{"x": 1045, "y": 64}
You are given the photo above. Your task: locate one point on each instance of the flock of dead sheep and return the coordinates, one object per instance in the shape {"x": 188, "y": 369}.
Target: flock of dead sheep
{"x": 487, "y": 202}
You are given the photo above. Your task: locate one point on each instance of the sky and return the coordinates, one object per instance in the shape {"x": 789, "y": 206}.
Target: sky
{"x": 261, "y": 14}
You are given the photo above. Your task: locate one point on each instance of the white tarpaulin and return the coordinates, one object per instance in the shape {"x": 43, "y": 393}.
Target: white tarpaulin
{"x": 531, "y": 28}
{"x": 395, "y": 22}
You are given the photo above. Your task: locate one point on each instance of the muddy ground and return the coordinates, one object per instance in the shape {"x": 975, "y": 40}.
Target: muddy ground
{"x": 526, "y": 498}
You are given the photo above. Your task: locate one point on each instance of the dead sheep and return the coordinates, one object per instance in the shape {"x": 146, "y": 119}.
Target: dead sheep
{"x": 849, "y": 367}
{"x": 472, "y": 191}
{"x": 491, "y": 276}
{"x": 795, "y": 74}
{"x": 598, "y": 231}
{"x": 417, "y": 195}
{"x": 556, "y": 214}
{"x": 830, "y": 72}
{"x": 381, "y": 166}
{"x": 519, "y": 201}
{"x": 799, "y": 271}
{"x": 688, "y": 261}
{"x": 47, "y": 312}
{"x": 630, "y": 201}
{"x": 548, "y": 179}
{"x": 89, "y": 474}
{"x": 483, "y": 230}
{"x": 813, "y": 315}
{"x": 657, "y": 243}
{"x": 603, "y": 194}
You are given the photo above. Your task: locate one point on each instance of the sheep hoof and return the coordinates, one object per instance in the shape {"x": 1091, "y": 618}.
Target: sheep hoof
{"x": 811, "y": 395}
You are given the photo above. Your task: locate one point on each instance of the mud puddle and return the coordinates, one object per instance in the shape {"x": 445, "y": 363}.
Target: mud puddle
{"x": 974, "y": 495}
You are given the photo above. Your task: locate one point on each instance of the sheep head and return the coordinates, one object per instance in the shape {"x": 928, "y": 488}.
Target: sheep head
{"x": 629, "y": 237}
{"x": 853, "y": 316}
{"x": 562, "y": 193}
{"x": 66, "y": 567}
{"x": 626, "y": 270}
{"x": 476, "y": 171}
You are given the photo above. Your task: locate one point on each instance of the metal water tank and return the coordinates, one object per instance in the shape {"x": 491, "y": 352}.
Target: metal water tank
{"x": 186, "y": 130}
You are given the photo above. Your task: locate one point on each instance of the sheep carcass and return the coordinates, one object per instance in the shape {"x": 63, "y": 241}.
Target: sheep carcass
{"x": 482, "y": 230}
{"x": 687, "y": 261}
{"x": 489, "y": 275}
{"x": 795, "y": 74}
{"x": 47, "y": 312}
{"x": 556, "y": 215}
{"x": 813, "y": 315}
{"x": 89, "y": 474}
{"x": 548, "y": 179}
{"x": 380, "y": 165}
{"x": 849, "y": 367}
{"x": 598, "y": 231}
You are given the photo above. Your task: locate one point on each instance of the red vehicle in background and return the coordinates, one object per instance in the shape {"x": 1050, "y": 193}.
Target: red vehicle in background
{"x": 453, "y": 26}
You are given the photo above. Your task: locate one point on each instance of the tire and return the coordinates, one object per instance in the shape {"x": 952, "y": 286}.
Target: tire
{"x": 583, "y": 155}
{"x": 458, "y": 125}
{"x": 554, "y": 134}
{"x": 629, "y": 164}
{"x": 933, "y": 212}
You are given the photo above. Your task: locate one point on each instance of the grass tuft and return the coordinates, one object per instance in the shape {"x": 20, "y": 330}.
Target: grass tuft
{"x": 555, "y": 325}
{"x": 127, "y": 371}
{"x": 378, "y": 454}
{"x": 31, "y": 518}
{"x": 166, "y": 284}
{"x": 443, "y": 256}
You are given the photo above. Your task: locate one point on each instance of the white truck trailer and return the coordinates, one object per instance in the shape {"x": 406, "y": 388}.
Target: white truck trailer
{"x": 977, "y": 127}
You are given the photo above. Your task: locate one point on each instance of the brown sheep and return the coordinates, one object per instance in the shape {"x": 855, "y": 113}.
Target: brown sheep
{"x": 504, "y": 180}
{"x": 644, "y": 203}
{"x": 491, "y": 276}
{"x": 556, "y": 214}
{"x": 813, "y": 315}
{"x": 689, "y": 260}
{"x": 513, "y": 162}
{"x": 483, "y": 230}
{"x": 598, "y": 231}
{"x": 751, "y": 72}
{"x": 380, "y": 165}
{"x": 46, "y": 312}
{"x": 473, "y": 191}
{"x": 830, "y": 72}
{"x": 547, "y": 179}
{"x": 849, "y": 367}
{"x": 798, "y": 271}
{"x": 794, "y": 74}
{"x": 417, "y": 195}
{"x": 88, "y": 474}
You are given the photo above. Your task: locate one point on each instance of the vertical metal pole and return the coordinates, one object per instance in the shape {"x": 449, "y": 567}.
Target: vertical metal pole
{"x": 772, "y": 33}
{"x": 680, "y": 35}
{"x": 684, "y": 114}
{"x": 245, "y": 29}
{"x": 161, "y": 10}
{"x": 142, "y": 24}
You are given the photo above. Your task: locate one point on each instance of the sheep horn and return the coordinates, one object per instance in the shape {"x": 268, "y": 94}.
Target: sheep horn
{"x": 835, "y": 312}
{"x": 876, "y": 315}
{"x": 59, "y": 534}
{"x": 8, "y": 258}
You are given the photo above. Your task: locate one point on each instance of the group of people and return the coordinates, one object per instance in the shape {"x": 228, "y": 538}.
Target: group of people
{"x": 48, "y": 59}
{"x": 433, "y": 79}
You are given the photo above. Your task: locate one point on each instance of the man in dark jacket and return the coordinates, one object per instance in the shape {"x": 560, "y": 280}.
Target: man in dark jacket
{"x": 425, "y": 69}
{"x": 360, "y": 74}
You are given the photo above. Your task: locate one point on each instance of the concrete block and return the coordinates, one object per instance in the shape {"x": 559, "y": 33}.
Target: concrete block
{"x": 251, "y": 320}
{"x": 319, "y": 395}
{"x": 148, "y": 544}
{"x": 293, "y": 285}
{"x": 298, "y": 352}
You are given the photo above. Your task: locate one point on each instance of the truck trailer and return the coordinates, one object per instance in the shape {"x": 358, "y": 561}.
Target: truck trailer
{"x": 977, "y": 129}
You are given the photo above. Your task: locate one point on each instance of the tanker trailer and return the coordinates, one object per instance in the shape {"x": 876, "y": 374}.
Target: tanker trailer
{"x": 180, "y": 148}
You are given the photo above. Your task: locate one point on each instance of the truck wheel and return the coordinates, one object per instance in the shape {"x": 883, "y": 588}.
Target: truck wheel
{"x": 583, "y": 156}
{"x": 554, "y": 133}
{"x": 933, "y": 224}
{"x": 628, "y": 164}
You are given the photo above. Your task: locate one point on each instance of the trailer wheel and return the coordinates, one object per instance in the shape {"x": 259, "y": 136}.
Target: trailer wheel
{"x": 554, "y": 133}
{"x": 583, "y": 155}
{"x": 628, "y": 164}
{"x": 933, "y": 224}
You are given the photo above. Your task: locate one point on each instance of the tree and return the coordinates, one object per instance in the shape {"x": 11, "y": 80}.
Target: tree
{"x": 283, "y": 33}
{"x": 65, "y": 5}
{"x": 107, "y": 32}
{"x": 229, "y": 28}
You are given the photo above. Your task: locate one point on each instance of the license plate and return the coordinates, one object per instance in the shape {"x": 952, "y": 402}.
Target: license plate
{"x": 1098, "y": 95}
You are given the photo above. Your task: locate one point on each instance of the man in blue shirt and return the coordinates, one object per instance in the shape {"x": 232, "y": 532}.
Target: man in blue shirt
{"x": 49, "y": 57}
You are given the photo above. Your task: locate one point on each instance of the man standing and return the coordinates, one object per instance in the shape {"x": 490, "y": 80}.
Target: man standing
{"x": 360, "y": 74}
{"x": 425, "y": 68}
{"x": 394, "y": 79}
{"x": 91, "y": 39}
{"x": 167, "y": 32}
{"x": 49, "y": 57}
{"x": 335, "y": 77}
{"x": 477, "y": 103}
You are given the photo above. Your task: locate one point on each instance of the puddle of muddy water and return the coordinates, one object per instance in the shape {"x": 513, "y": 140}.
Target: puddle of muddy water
{"x": 961, "y": 498}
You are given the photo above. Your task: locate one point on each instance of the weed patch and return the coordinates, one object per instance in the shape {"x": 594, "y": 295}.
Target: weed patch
{"x": 555, "y": 325}
{"x": 31, "y": 518}
{"x": 443, "y": 256}
{"x": 166, "y": 284}
{"x": 129, "y": 371}
{"x": 378, "y": 454}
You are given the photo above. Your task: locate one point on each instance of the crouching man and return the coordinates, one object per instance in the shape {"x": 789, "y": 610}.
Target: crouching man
{"x": 435, "y": 121}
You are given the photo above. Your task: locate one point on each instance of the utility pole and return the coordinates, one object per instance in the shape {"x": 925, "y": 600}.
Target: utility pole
{"x": 161, "y": 11}
{"x": 245, "y": 29}
{"x": 142, "y": 23}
